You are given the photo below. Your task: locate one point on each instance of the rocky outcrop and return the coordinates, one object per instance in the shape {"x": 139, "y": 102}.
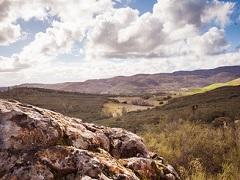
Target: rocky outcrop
{"x": 40, "y": 144}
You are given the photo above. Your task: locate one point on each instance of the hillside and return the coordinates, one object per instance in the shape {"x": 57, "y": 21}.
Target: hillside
{"x": 148, "y": 83}
{"x": 85, "y": 106}
{"x": 3, "y": 89}
{"x": 235, "y": 82}
{"x": 224, "y": 101}
{"x": 199, "y": 134}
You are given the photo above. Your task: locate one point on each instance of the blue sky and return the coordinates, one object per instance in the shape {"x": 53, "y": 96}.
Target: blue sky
{"x": 74, "y": 40}
{"x": 233, "y": 30}
{"x": 143, "y": 5}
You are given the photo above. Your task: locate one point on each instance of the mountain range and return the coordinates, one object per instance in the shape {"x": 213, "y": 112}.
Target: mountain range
{"x": 148, "y": 83}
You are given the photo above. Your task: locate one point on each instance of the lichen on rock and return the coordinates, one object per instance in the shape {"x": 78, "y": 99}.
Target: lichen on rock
{"x": 41, "y": 144}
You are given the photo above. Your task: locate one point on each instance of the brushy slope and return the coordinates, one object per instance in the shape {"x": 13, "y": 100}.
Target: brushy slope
{"x": 84, "y": 106}
{"x": 203, "y": 107}
{"x": 199, "y": 151}
{"x": 199, "y": 134}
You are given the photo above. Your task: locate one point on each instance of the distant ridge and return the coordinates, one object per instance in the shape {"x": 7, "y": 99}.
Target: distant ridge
{"x": 3, "y": 89}
{"x": 148, "y": 83}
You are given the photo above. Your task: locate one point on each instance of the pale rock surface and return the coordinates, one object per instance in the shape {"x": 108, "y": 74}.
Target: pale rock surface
{"x": 40, "y": 144}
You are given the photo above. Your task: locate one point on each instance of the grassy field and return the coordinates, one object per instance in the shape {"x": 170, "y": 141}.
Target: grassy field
{"x": 114, "y": 109}
{"x": 84, "y": 106}
{"x": 120, "y": 105}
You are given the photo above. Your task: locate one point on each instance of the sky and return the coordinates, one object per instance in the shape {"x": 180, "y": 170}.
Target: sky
{"x": 52, "y": 41}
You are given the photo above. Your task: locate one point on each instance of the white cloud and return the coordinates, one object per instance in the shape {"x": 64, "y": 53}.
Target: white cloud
{"x": 212, "y": 42}
{"x": 9, "y": 33}
{"x": 75, "y": 19}
{"x": 11, "y": 11}
{"x": 123, "y": 33}
{"x": 11, "y": 64}
{"x": 218, "y": 11}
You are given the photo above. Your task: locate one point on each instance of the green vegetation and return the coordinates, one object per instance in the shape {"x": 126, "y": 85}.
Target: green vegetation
{"x": 235, "y": 82}
{"x": 85, "y": 106}
{"x": 224, "y": 101}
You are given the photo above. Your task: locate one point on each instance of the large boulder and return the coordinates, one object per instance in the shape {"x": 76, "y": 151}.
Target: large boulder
{"x": 41, "y": 144}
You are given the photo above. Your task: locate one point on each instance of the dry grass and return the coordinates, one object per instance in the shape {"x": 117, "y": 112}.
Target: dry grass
{"x": 199, "y": 151}
{"x": 114, "y": 109}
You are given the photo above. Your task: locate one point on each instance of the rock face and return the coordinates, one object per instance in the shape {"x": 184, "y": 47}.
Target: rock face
{"x": 40, "y": 144}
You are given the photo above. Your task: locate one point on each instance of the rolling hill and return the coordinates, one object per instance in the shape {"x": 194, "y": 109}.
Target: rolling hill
{"x": 85, "y": 106}
{"x": 148, "y": 83}
{"x": 221, "y": 102}
{"x": 235, "y": 82}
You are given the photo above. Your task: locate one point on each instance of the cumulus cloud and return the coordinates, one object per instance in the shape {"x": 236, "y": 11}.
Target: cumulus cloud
{"x": 11, "y": 65}
{"x": 73, "y": 20}
{"x": 9, "y": 33}
{"x": 123, "y": 33}
{"x": 211, "y": 42}
{"x": 11, "y": 11}
{"x": 218, "y": 11}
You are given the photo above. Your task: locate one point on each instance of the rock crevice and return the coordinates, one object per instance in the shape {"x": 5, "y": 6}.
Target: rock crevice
{"x": 41, "y": 144}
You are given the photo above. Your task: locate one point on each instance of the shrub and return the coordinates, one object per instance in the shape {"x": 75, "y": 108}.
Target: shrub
{"x": 198, "y": 151}
{"x": 140, "y": 102}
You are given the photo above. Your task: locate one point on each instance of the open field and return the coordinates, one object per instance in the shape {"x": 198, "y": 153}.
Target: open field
{"x": 120, "y": 105}
{"x": 114, "y": 109}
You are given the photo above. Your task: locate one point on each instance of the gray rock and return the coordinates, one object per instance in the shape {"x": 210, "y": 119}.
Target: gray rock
{"x": 41, "y": 144}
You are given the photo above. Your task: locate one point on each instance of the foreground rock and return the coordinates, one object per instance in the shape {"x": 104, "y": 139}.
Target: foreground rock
{"x": 40, "y": 144}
